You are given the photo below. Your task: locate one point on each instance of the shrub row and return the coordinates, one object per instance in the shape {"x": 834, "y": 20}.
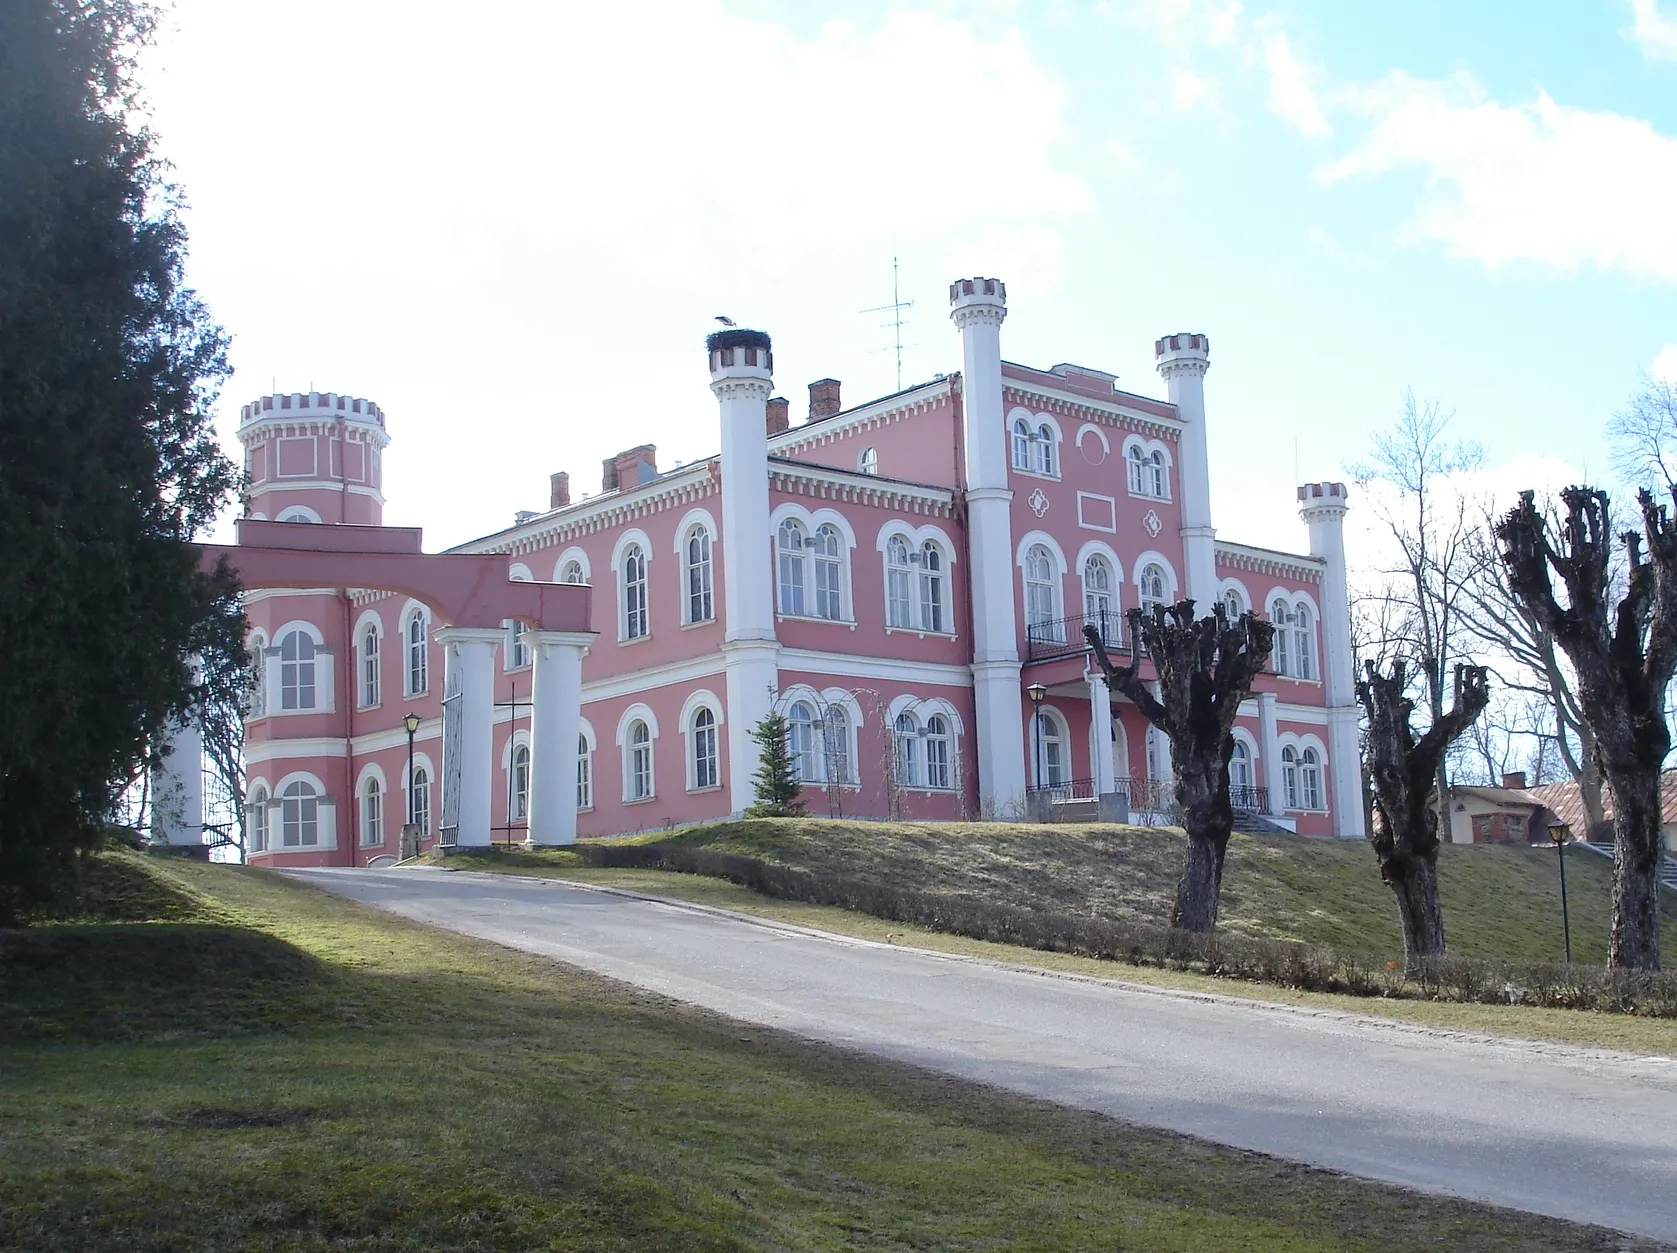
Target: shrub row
{"x": 1294, "y": 965}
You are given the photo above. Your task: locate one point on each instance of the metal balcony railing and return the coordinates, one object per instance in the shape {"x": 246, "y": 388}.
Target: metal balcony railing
{"x": 1063, "y": 637}
{"x": 1249, "y": 800}
{"x": 1149, "y": 795}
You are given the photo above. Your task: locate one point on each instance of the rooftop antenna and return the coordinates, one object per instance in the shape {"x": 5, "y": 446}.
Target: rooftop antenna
{"x": 895, "y": 309}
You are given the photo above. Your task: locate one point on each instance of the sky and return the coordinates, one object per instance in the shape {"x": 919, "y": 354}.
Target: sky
{"x": 512, "y": 225}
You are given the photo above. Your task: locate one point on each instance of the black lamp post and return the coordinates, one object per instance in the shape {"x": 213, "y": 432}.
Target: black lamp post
{"x": 411, "y": 723}
{"x": 1038, "y": 694}
{"x": 1559, "y": 832}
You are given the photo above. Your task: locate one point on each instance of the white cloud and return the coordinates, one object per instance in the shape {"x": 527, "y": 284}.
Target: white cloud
{"x": 1190, "y": 91}
{"x": 1543, "y": 182}
{"x": 1653, "y": 31}
{"x": 1292, "y": 90}
{"x": 1186, "y": 22}
{"x": 1665, "y": 364}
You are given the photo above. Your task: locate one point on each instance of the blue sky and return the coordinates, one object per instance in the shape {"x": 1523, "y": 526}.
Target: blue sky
{"x": 514, "y": 236}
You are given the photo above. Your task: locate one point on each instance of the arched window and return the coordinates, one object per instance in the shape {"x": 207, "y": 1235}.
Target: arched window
{"x": 256, "y": 820}
{"x": 258, "y": 678}
{"x": 931, "y": 587}
{"x": 518, "y": 803}
{"x": 297, "y": 651}
{"x": 517, "y": 652}
{"x": 701, "y": 606}
{"x": 419, "y": 664}
{"x": 584, "y": 774}
{"x": 1136, "y": 460}
{"x": 635, "y": 623}
{"x": 1152, "y": 585}
{"x": 372, "y": 815}
{"x": 1310, "y": 779}
{"x": 1290, "y": 775}
{"x": 937, "y": 752}
{"x": 790, "y": 541}
{"x": 1157, "y": 768}
{"x": 825, "y": 545}
{"x": 899, "y": 604}
{"x": 1022, "y": 442}
{"x": 1099, "y": 609}
{"x": 1240, "y": 766}
{"x": 800, "y": 742}
{"x": 1051, "y": 751}
{"x": 298, "y": 513}
{"x": 1233, "y": 606}
{"x": 369, "y": 667}
{"x": 1281, "y": 653}
{"x": 299, "y": 815}
{"x": 704, "y": 749}
{"x": 637, "y": 768}
{"x": 908, "y": 750}
{"x": 1041, "y": 593}
{"x": 1304, "y": 639}
{"x": 1045, "y": 449}
{"x": 868, "y": 462}
{"x": 572, "y": 572}
{"x": 835, "y": 730}
{"x": 1156, "y": 475}
{"x": 419, "y": 800}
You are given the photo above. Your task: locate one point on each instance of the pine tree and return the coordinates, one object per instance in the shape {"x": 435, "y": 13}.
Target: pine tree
{"x": 777, "y": 787}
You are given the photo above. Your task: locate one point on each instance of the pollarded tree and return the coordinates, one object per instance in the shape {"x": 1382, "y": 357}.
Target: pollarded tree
{"x": 1622, "y": 658}
{"x": 1205, "y": 668}
{"x": 1403, "y": 773}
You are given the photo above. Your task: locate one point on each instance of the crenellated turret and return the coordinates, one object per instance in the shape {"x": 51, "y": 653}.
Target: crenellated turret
{"x": 314, "y": 457}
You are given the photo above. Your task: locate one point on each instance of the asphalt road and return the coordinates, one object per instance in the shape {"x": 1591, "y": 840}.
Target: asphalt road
{"x": 1589, "y": 1136}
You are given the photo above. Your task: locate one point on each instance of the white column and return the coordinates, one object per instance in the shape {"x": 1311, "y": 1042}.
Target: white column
{"x": 1100, "y": 734}
{"x": 1323, "y": 507}
{"x": 469, "y": 654}
{"x": 177, "y": 787}
{"x": 1183, "y": 361}
{"x": 978, "y": 307}
{"x": 1269, "y": 746}
{"x": 555, "y": 724}
{"x": 742, "y": 379}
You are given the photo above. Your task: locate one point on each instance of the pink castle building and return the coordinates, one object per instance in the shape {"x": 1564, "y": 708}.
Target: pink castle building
{"x": 906, "y": 580}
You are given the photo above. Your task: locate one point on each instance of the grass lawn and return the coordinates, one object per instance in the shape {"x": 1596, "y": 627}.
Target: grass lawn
{"x": 265, "y": 1066}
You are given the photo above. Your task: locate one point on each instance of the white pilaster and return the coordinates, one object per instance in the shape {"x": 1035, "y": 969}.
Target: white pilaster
{"x": 1100, "y": 734}
{"x": 1183, "y": 361}
{"x": 742, "y": 379}
{"x": 469, "y": 656}
{"x": 1323, "y": 507}
{"x": 177, "y": 787}
{"x": 1269, "y": 748}
{"x": 555, "y": 724}
{"x": 978, "y": 306}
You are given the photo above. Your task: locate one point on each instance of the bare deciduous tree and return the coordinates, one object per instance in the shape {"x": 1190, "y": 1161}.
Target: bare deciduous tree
{"x": 1645, "y": 435}
{"x": 1404, "y": 776}
{"x": 1205, "y": 668}
{"x": 1623, "y": 657}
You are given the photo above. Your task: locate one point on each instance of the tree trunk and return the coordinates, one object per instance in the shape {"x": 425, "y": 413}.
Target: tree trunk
{"x": 1414, "y": 882}
{"x": 1589, "y": 791}
{"x": 1208, "y": 818}
{"x": 1635, "y": 940}
{"x": 1202, "y": 882}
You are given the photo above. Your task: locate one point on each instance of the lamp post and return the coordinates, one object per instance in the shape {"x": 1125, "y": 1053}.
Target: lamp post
{"x": 1559, "y": 832}
{"x": 1037, "y": 693}
{"x": 411, "y": 723}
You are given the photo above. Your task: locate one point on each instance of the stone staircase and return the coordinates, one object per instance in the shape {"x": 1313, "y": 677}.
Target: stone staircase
{"x": 1668, "y": 864}
{"x": 1257, "y": 824}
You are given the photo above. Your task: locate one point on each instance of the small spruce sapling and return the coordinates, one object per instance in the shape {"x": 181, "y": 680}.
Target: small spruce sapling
{"x": 777, "y": 787}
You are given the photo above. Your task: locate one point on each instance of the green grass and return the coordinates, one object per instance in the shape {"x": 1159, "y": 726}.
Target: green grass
{"x": 330, "y": 1077}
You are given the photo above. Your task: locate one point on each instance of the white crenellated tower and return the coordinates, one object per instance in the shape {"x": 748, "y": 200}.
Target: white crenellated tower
{"x": 314, "y": 457}
{"x": 977, "y": 307}
{"x": 1323, "y": 506}
{"x": 1183, "y": 361}
{"x": 742, "y": 379}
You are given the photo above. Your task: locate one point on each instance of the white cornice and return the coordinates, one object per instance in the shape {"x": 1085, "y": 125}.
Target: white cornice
{"x": 615, "y": 686}
{"x": 1268, "y": 561}
{"x": 854, "y": 487}
{"x": 885, "y": 669}
{"x": 882, "y": 412}
{"x": 285, "y": 750}
{"x": 356, "y": 429}
{"x": 1102, "y": 413}
{"x": 676, "y": 488}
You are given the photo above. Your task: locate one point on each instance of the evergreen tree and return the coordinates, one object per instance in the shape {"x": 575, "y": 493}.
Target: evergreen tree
{"x": 776, "y": 785}
{"x": 109, "y": 467}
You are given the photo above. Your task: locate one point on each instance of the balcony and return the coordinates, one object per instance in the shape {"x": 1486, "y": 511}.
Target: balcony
{"x": 1063, "y": 637}
{"x": 1147, "y": 795}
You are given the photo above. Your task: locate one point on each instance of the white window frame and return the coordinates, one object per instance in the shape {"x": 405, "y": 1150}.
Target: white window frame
{"x": 1050, "y": 776}
{"x": 368, "y": 663}
{"x": 634, "y": 620}
{"x": 416, "y": 651}
{"x": 702, "y": 701}
{"x": 259, "y": 675}
{"x": 810, "y": 567}
{"x": 585, "y": 767}
{"x": 1034, "y": 443}
{"x": 632, "y": 750}
{"x": 868, "y": 462}
{"x": 791, "y": 569}
{"x": 372, "y": 813}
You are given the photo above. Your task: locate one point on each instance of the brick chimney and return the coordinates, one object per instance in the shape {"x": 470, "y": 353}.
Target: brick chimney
{"x": 1514, "y": 780}
{"x": 779, "y": 414}
{"x": 559, "y": 491}
{"x": 823, "y": 399}
{"x": 629, "y": 468}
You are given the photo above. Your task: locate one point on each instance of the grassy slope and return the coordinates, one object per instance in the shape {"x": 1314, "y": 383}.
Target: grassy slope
{"x": 1499, "y": 901}
{"x": 334, "y": 1078}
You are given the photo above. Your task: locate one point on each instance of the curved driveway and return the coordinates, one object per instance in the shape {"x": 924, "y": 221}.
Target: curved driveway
{"x": 1589, "y": 1136}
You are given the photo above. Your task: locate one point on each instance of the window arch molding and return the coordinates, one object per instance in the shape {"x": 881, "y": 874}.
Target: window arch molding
{"x": 565, "y": 558}
{"x": 701, "y": 699}
{"x": 1239, "y": 589}
{"x": 695, "y": 519}
{"x": 324, "y": 813}
{"x": 416, "y": 610}
{"x": 429, "y": 806}
{"x": 640, "y": 713}
{"x": 1042, "y": 613}
{"x": 1045, "y": 456}
{"x": 1244, "y": 739}
{"x": 320, "y": 663}
{"x": 812, "y": 521}
{"x": 365, "y": 832}
{"x": 1286, "y": 655}
{"x": 1152, "y": 557}
{"x": 1136, "y": 450}
{"x": 298, "y": 513}
{"x": 518, "y": 572}
{"x": 257, "y": 798}
{"x": 630, "y": 540}
{"x": 508, "y": 798}
{"x": 261, "y": 694}
{"x": 587, "y": 744}
{"x": 820, "y": 702}
{"x": 1055, "y": 766}
{"x": 936, "y": 766}
{"x": 930, "y": 611}
{"x": 1308, "y": 751}
{"x": 1100, "y": 548}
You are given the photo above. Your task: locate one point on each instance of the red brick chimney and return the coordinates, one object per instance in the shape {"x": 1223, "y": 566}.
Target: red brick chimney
{"x": 779, "y": 414}
{"x": 629, "y": 468}
{"x": 1514, "y": 780}
{"x": 823, "y": 399}
{"x": 559, "y": 491}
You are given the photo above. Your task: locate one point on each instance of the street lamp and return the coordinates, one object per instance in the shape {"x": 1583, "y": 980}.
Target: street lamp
{"x": 411, "y": 723}
{"x": 1559, "y": 832}
{"x": 1038, "y": 694}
